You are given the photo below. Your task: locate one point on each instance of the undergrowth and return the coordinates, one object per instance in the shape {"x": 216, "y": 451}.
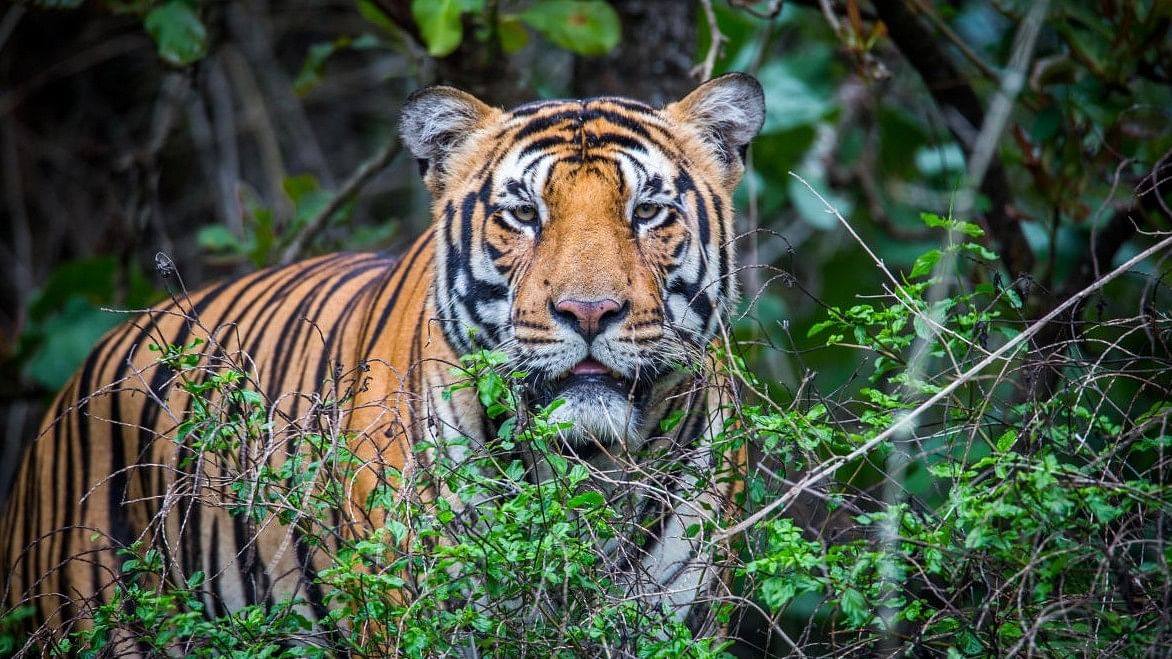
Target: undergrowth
{"x": 1024, "y": 513}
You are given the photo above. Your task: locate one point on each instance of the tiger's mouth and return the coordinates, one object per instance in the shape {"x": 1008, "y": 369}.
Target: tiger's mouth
{"x": 604, "y": 406}
{"x": 592, "y": 372}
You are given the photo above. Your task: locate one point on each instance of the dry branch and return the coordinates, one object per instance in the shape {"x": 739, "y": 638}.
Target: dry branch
{"x": 353, "y": 184}
{"x": 953, "y": 93}
{"x": 832, "y": 465}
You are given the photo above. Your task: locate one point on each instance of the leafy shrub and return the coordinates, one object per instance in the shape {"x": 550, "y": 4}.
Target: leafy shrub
{"x": 1012, "y": 516}
{"x": 495, "y": 562}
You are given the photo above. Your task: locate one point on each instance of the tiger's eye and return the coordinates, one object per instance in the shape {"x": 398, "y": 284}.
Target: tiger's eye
{"x": 525, "y": 213}
{"x": 646, "y": 210}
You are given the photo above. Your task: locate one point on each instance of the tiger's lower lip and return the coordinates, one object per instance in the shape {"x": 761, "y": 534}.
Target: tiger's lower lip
{"x": 610, "y": 373}
{"x": 606, "y": 380}
{"x": 542, "y": 391}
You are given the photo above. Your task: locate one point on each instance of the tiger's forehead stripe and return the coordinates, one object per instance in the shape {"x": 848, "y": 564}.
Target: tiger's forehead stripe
{"x": 593, "y": 123}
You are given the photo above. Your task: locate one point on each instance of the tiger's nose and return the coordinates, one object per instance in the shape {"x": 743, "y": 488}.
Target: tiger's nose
{"x": 589, "y": 317}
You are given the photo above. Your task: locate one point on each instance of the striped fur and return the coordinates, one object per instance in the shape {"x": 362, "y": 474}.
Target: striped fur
{"x": 553, "y": 204}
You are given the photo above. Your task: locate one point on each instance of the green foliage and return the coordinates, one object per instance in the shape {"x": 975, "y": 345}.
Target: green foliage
{"x": 315, "y": 60}
{"x": 180, "y": 36}
{"x": 586, "y": 27}
{"x": 440, "y": 22}
{"x": 173, "y": 618}
{"x": 68, "y": 315}
{"x": 10, "y": 640}
{"x": 1005, "y": 524}
{"x": 265, "y": 235}
{"x": 496, "y": 562}
{"x": 177, "y": 31}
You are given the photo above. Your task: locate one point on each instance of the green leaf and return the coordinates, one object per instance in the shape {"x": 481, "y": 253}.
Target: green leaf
{"x": 672, "y": 420}
{"x": 69, "y": 335}
{"x": 299, "y": 186}
{"x": 925, "y": 263}
{"x": 512, "y": 33}
{"x": 374, "y": 14}
{"x": 1013, "y": 297}
{"x": 310, "y": 74}
{"x": 854, "y": 607}
{"x": 196, "y": 579}
{"x": 218, "y": 238}
{"x": 586, "y": 27}
{"x": 586, "y": 500}
{"x": 439, "y": 24}
{"x": 821, "y": 326}
{"x": 1006, "y": 440}
{"x": 308, "y": 198}
{"x": 179, "y": 35}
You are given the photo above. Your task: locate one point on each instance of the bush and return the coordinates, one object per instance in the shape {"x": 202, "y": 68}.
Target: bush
{"x": 1023, "y": 512}
{"x": 1011, "y": 512}
{"x": 494, "y": 564}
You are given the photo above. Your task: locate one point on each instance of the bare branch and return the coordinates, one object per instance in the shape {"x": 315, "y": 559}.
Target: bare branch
{"x": 703, "y": 71}
{"x": 832, "y": 465}
{"x": 960, "y": 104}
{"x": 985, "y": 146}
{"x": 356, "y": 182}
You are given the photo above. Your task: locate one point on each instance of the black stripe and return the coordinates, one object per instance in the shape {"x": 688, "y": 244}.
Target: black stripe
{"x": 534, "y": 107}
{"x": 536, "y": 161}
{"x": 615, "y": 139}
{"x": 214, "y": 593}
{"x": 314, "y": 320}
{"x": 697, "y": 301}
{"x": 685, "y": 184}
{"x": 628, "y": 104}
{"x": 404, "y": 269}
{"x": 581, "y": 116}
{"x": 543, "y": 144}
{"x": 724, "y": 247}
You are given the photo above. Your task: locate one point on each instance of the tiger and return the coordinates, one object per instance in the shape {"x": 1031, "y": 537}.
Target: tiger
{"x": 588, "y": 241}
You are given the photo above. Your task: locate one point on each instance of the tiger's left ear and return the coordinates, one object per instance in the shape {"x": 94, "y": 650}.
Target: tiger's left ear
{"x": 436, "y": 121}
{"x": 728, "y": 111}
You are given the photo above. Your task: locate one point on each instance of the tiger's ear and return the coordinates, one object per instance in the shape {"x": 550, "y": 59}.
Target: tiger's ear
{"x": 435, "y": 122}
{"x": 728, "y": 111}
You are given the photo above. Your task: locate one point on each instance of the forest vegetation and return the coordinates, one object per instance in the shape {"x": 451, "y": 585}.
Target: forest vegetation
{"x": 953, "y": 346}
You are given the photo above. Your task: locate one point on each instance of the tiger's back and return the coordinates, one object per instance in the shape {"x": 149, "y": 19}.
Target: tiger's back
{"x": 107, "y": 468}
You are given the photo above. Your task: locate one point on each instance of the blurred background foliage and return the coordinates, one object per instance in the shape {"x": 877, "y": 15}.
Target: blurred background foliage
{"x": 232, "y": 135}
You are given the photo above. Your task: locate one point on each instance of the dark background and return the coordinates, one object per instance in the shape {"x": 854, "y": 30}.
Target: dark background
{"x": 261, "y": 149}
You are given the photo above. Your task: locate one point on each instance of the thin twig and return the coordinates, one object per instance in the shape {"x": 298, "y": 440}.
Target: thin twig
{"x": 356, "y": 182}
{"x": 716, "y": 38}
{"x": 961, "y": 45}
{"x": 963, "y": 111}
{"x": 9, "y": 22}
{"x": 769, "y": 13}
{"x": 997, "y": 117}
{"x": 832, "y": 20}
{"x": 832, "y": 465}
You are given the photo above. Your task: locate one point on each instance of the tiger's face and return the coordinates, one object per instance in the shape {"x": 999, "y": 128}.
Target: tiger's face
{"x": 589, "y": 241}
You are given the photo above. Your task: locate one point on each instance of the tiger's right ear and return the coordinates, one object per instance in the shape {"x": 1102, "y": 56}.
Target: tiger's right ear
{"x": 436, "y": 121}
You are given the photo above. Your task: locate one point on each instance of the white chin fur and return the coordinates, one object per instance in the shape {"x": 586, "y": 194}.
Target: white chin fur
{"x": 597, "y": 414}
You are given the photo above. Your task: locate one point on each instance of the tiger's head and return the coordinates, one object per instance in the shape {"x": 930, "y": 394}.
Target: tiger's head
{"x": 588, "y": 240}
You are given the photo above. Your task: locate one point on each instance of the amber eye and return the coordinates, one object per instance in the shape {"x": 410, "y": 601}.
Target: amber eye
{"x": 525, "y": 213}
{"x": 646, "y": 211}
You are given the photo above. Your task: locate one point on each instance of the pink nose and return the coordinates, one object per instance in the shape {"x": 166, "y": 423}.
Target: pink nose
{"x": 592, "y": 315}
